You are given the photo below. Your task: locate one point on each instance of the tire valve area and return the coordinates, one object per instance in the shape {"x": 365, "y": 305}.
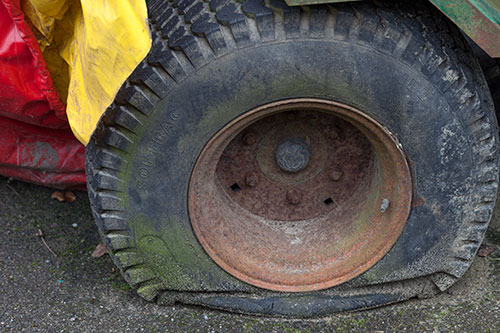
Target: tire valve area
{"x": 384, "y": 205}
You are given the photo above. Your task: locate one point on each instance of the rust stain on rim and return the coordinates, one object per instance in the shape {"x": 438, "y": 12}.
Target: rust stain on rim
{"x": 304, "y": 230}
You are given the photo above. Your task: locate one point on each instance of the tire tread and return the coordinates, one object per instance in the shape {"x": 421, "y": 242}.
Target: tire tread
{"x": 188, "y": 34}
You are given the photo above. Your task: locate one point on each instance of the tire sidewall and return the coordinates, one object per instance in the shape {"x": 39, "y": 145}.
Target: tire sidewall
{"x": 432, "y": 134}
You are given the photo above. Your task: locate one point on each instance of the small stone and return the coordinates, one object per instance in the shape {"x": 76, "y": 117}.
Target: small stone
{"x": 205, "y": 317}
{"x": 74, "y": 225}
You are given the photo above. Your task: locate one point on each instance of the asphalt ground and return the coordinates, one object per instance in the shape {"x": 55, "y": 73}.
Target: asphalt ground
{"x": 74, "y": 292}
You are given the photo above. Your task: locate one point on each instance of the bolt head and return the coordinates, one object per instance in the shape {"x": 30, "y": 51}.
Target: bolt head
{"x": 251, "y": 179}
{"x": 335, "y": 175}
{"x": 294, "y": 196}
{"x": 292, "y": 154}
{"x": 250, "y": 138}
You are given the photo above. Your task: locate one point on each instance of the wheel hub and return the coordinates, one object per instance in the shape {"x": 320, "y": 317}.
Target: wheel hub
{"x": 288, "y": 197}
{"x": 292, "y": 154}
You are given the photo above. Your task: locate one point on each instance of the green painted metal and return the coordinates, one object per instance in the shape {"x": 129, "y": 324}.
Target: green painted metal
{"x": 479, "y": 19}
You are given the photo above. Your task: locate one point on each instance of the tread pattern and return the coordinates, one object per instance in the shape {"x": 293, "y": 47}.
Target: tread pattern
{"x": 187, "y": 34}
{"x": 491, "y": 70}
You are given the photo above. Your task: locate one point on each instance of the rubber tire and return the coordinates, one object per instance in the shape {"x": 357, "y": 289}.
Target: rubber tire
{"x": 491, "y": 70}
{"x": 492, "y": 73}
{"x": 404, "y": 65}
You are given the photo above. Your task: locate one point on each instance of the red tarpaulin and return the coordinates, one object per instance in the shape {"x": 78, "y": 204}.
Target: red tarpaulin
{"x": 36, "y": 144}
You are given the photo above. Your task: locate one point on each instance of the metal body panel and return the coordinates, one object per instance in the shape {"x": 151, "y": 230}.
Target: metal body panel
{"x": 479, "y": 19}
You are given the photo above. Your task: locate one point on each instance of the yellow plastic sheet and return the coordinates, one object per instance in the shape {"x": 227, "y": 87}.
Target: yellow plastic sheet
{"x": 102, "y": 43}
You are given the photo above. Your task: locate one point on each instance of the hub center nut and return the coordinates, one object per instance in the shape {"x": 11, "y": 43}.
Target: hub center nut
{"x": 292, "y": 154}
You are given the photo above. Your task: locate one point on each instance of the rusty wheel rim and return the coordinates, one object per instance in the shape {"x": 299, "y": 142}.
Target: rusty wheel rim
{"x": 299, "y": 195}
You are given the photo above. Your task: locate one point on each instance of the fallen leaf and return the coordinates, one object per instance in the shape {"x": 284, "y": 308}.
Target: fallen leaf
{"x": 99, "y": 251}
{"x": 57, "y": 195}
{"x": 485, "y": 250}
{"x": 69, "y": 196}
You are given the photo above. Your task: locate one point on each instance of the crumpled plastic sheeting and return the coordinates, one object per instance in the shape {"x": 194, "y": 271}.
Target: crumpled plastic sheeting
{"x": 26, "y": 89}
{"x": 44, "y": 156}
{"x": 110, "y": 39}
{"x": 36, "y": 144}
{"x": 101, "y": 41}
{"x": 42, "y": 14}
{"x": 51, "y": 8}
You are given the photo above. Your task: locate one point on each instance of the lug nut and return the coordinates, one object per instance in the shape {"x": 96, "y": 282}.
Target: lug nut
{"x": 294, "y": 196}
{"x": 335, "y": 175}
{"x": 249, "y": 138}
{"x": 251, "y": 179}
